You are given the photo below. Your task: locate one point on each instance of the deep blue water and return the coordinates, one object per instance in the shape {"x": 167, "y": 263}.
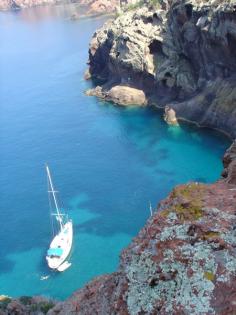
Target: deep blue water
{"x": 108, "y": 162}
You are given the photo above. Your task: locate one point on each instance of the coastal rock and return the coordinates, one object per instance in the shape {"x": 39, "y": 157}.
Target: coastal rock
{"x": 103, "y": 6}
{"x": 87, "y": 75}
{"x": 91, "y": 7}
{"x": 97, "y": 91}
{"x": 25, "y": 305}
{"x": 121, "y": 95}
{"x": 18, "y": 4}
{"x": 180, "y": 53}
{"x": 125, "y": 95}
{"x": 170, "y": 116}
{"x": 229, "y": 162}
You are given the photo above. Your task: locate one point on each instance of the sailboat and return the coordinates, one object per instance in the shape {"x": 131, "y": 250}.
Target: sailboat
{"x": 61, "y": 244}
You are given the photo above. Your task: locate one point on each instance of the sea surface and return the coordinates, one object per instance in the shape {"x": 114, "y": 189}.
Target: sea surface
{"x": 108, "y": 162}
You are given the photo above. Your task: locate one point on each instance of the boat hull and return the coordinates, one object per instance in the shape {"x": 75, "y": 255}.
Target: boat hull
{"x": 63, "y": 241}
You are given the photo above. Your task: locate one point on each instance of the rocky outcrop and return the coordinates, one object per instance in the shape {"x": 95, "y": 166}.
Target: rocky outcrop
{"x": 229, "y": 162}
{"x": 170, "y": 116}
{"x": 86, "y": 7}
{"x": 89, "y": 7}
{"x": 25, "y": 305}
{"x": 18, "y": 4}
{"x": 100, "y": 6}
{"x": 121, "y": 95}
{"x": 181, "y": 53}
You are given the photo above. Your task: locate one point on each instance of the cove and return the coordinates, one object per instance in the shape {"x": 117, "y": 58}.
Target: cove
{"x": 107, "y": 162}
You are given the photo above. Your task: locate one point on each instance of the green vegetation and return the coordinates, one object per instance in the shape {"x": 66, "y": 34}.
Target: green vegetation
{"x": 192, "y": 212}
{"x": 33, "y": 306}
{"x": 141, "y": 3}
{"x": 210, "y": 234}
{"x": 26, "y": 300}
{"x": 209, "y": 275}
{"x": 187, "y": 191}
{"x": 190, "y": 202}
{"x": 135, "y": 6}
{"x": 154, "y": 3}
{"x": 45, "y": 306}
{"x": 187, "y": 203}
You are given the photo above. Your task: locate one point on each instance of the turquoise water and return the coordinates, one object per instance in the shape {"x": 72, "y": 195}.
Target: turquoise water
{"x": 108, "y": 162}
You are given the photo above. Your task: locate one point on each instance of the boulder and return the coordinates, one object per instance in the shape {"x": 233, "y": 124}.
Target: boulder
{"x": 120, "y": 94}
{"x": 170, "y": 116}
{"x": 126, "y": 96}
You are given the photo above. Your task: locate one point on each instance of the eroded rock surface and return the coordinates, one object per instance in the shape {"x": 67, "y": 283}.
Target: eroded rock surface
{"x": 229, "y": 162}
{"x": 181, "y": 53}
{"x": 100, "y": 6}
{"x": 91, "y": 7}
{"x": 120, "y": 94}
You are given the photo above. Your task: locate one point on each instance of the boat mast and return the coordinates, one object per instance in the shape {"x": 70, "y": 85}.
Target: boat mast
{"x": 54, "y": 196}
{"x": 150, "y": 208}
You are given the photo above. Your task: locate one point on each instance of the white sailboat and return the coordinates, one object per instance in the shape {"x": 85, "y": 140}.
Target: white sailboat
{"x": 61, "y": 244}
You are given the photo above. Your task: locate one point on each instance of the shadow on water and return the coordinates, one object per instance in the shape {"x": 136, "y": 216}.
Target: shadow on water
{"x": 6, "y": 265}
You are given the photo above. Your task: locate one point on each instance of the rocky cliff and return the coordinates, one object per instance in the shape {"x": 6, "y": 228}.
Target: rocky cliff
{"x": 18, "y": 4}
{"x": 91, "y": 7}
{"x": 182, "y": 262}
{"x": 87, "y": 7}
{"x": 178, "y": 52}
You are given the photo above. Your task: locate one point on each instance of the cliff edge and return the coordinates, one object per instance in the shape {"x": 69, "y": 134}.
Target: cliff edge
{"x": 182, "y": 262}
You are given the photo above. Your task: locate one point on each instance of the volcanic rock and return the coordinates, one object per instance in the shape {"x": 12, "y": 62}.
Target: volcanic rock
{"x": 180, "y": 53}
{"x": 120, "y": 94}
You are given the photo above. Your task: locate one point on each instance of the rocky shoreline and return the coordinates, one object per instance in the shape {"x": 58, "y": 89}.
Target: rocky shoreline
{"x": 85, "y": 7}
{"x": 178, "y": 53}
{"x": 184, "y": 259}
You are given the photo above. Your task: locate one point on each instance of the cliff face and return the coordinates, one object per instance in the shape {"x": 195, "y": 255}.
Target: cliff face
{"x": 18, "y": 4}
{"x": 181, "y": 53}
{"x": 92, "y": 7}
